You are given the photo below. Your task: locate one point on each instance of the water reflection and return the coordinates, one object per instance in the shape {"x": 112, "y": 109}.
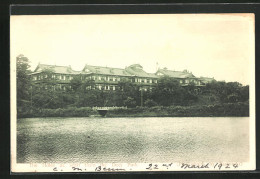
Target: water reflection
{"x": 132, "y": 139}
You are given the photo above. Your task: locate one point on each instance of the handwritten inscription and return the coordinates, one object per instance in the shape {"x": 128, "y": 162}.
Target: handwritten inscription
{"x": 184, "y": 166}
{"x": 99, "y": 169}
{"x": 150, "y": 167}
{"x": 214, "y": 166}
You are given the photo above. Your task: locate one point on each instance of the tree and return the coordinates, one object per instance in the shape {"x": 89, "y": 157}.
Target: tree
{"x": 130, "y": 102}
{"x": 150, "y": 103}
{"x": 168, "y": 92}
{"x": 230, "y": 92}
{"x": 76, "y": 83}
{"x": 128, "y": 89}
{"x": 244, "y": 93}
{"x": 23, "y": 81}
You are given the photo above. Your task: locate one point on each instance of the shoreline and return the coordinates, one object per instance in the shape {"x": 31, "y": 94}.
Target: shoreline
{"x": 217, "y": 110}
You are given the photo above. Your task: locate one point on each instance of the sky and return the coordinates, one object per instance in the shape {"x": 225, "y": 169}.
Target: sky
{"x": 210, "y": 45}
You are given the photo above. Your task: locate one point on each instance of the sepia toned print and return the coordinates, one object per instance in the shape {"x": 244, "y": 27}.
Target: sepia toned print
{"x": 122, "y": 93}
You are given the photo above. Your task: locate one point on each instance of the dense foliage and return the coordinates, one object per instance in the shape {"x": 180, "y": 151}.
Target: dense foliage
{"x": 23, "y": 81}
{"x": 79, "y": 93}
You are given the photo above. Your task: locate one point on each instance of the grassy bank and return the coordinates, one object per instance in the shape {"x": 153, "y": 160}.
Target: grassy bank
{"x": 60, "y": 112}
{"x": 218, "y": 110}
{"x": 223, "y": 110}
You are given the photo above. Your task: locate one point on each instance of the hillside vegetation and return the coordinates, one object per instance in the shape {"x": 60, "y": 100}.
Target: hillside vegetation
{"x": 168, "y": 97}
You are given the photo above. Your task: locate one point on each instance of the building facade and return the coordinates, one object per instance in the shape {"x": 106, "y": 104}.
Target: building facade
{"x": 107, "y": 78}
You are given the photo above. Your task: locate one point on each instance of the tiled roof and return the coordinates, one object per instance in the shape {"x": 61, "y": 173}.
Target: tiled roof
{"x": 105, "y": 71}
{"x": 175, "y": 74}
{"x": 132, "y": 70}
{"x": 56, "y": 69}
{"x": 137, "y": 70}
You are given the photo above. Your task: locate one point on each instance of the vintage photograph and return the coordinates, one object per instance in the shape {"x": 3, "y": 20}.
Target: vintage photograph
{"x": 132, "y": 92}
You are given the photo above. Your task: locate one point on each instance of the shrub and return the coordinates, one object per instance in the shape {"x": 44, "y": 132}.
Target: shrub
{"x": 130, "y": 102}
{"x": 150, "y": 103}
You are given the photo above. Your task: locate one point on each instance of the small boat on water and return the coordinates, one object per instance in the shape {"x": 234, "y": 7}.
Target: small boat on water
{"x": 102, "y": 112}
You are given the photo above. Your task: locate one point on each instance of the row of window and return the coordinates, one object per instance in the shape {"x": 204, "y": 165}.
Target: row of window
{"x": 111, "y": 87}
{"x": 107, "y": 78}
{"x": 103, "y": 78}
{"x": 57, "y": 87}
{"x": 142, "y": 80}
{"x": 189, "y": 81}
{"x": 53, "y": 76}
{"x": 115, "y": 79}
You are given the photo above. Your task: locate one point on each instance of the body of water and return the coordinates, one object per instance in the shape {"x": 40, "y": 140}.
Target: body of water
{"x": 123, "y": 140}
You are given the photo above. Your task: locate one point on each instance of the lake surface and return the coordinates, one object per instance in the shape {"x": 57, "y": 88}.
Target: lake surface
{"x": 122, "y": 140}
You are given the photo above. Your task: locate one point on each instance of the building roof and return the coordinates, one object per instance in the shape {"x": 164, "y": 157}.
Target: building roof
{"x": 137, "y": 70}
{"x": 206, "y": 79}
{"x": 55, "y": 69}
{"x": 176, "y": 74}
{"x": 105, "y": 71}
{"x": 132, "y": 70}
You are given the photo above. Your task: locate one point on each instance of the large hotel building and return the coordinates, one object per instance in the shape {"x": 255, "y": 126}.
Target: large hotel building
{"x": 107, "y": 78}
